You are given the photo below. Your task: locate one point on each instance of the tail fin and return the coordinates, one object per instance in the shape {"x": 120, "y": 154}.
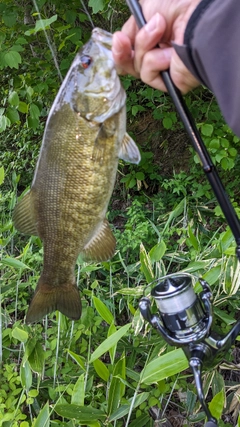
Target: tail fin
{"x": 47, "y": 298}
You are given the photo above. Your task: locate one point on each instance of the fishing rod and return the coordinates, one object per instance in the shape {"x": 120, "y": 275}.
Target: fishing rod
{"x": 196, "y": 140}
{"x": 185, "y": 318}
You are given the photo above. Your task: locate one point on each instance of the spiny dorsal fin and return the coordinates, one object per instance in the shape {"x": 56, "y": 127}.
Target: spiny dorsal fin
{"x": 129, "y": 150}
{"x": 102, "y": 245}
{"x": 23, "y": 215}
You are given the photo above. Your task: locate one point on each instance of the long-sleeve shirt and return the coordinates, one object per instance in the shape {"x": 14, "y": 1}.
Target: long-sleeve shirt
{"x": 211, "y": 51}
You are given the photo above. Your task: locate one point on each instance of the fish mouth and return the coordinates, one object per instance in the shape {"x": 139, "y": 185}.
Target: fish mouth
{"x": 105, "y": 85}
{"x": 101, "y": 36}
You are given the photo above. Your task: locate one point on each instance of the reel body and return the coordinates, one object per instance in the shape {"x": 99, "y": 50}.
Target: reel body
{"x": 185, "y": 320}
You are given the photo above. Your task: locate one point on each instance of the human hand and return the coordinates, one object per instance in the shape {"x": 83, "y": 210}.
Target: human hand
{"x": 135, "y": 51}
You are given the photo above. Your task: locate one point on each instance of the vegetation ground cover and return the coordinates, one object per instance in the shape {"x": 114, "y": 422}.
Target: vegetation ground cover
{"x": 110, "y": 368}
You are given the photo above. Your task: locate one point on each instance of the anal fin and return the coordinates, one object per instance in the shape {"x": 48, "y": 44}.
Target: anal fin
{"x": 102, "y": 245}
{"x": 23, "y": 215}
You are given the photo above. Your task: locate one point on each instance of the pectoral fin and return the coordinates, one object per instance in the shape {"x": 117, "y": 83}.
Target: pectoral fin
{"x": 102, "y": 245}
{"x": 23, "y": 215}
{"x": 129, "y": 150}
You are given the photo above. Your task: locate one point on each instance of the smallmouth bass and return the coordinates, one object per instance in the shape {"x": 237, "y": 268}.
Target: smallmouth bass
{"x": 84, "y": 137}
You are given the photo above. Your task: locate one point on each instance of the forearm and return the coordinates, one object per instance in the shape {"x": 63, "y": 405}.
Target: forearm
{"x": 211, "y": 52}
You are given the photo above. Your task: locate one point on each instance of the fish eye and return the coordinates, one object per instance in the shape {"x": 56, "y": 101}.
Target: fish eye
{"x": 85, "y": 61}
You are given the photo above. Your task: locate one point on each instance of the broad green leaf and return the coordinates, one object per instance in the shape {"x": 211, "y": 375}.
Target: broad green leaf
{"x": 83, "y": 414}
{"x": 124, "y": 409}
{"x": 13, "y": 99}
{"x": 96, "y": 5}
{"x": 109, "y": 342}
{"x": 101, "y": 369}
{"x": 212, "y": 275}
{"x": 103, "y": 310}
{"x": 217, "y": 383}
{"x": 112, "y": 351}
{"x": 214, "y": 143}
{"x": 29, "y": 347}
{"x": 43, "y": 419}
{"x": 20, "y": 334}
{"x": 34, "y": 111}
{"x": 41, "y": 25}
{"x": 232, "y": 151}
{"x": 167, "y": 122}
{"x": 193, "y": 239}
{"x": 141, "y": 421}
{"x": 217, "y": 404}
{"x": 191, "y": 400}
{"x": 164, "y": 366}
{"x": 157, "y": 252}
{"x": 135, "y": 110}
{"x": 70, "y": 16}
{"x": 197, "y": 265}
{"x": 26, "y": 375}
{"x": 229, "y": 320}
{"x": 117, "y": 387}
{"x": 12, "y": 59}
{"x": 225, "y": 164}
{"x": 37, "y": 358}
{"x": 226, "y": 239}
{"x": 12, "y": 114}
{"x": 9, "y": 17}
{"x": 224, "y": 142}
{"x": 174, "y": 214}
{"x": 1, "y": 175}
{"x": 78, "y": 392}
{"x": 140, "y": 176}
{"x": 32, "y": 123}
{"x": 33, "y": 392}
{"x": 207, "y": 129}
{"x": 78, "y": 359}
{"x": 4, "y": 122}
{"x": 146, "y": 265}
{"x": 12, "y": 262}
{"x": 23, "y": 107}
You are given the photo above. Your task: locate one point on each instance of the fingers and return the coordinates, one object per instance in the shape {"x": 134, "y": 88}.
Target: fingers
{"x": 123, "y": 54}
{"x": 155, "y": 61}
{"x": 148, "y": 38}
{"x": 135, "y": 53}
{"x": 131, "y": 48}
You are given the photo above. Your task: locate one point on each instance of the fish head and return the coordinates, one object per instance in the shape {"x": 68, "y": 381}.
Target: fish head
{"x": 92, "y": 86}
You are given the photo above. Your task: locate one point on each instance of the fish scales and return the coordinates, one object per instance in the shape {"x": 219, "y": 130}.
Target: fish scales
{"x": 66, "y": 207}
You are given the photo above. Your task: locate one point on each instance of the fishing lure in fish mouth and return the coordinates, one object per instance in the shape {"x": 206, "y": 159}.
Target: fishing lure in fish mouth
{"x": 84, "y": 137}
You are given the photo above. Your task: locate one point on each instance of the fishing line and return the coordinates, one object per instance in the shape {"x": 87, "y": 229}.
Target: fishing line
{"x": 49, "y": 42}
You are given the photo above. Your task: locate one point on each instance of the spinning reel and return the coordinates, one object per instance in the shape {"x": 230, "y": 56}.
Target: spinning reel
{"x": 185, "y": 320}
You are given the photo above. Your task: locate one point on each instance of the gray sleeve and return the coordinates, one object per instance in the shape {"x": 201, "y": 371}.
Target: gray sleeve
{"x": 211, "y": 51}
